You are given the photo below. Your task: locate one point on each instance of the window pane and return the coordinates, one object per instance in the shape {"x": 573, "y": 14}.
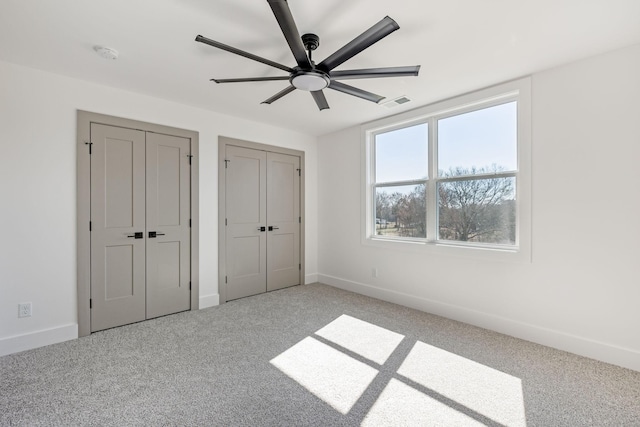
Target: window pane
{"x": 479, "y": 210}
{"x": 401, "y": 211}
{"x": 401, "y": 155}
{"x": 481, "y": 141}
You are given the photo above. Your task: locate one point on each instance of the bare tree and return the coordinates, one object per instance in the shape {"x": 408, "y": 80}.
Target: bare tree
{"x": 477, "y": 209}
{"x": 411, "y": 212}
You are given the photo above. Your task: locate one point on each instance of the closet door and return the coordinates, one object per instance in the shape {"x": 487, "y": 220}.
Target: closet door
{"x": 283, "y": 218}
{"x": 262, "y": 221}
{"x": 117, "y": 226}
{"x": 168, "y": 232}
{"x": 246, "y": 220}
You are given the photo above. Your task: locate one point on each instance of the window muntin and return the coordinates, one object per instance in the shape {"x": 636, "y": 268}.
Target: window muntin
{"x": 481, "y": 156}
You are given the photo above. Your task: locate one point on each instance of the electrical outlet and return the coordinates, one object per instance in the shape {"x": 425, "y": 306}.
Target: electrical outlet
{"x": 24, "y": 310}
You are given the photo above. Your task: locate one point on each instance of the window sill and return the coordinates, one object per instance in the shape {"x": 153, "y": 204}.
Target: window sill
{"x": 463, "y": 250}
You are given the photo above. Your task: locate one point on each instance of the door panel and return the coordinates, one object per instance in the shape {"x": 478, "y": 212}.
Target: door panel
{"x": 282, "y": 179}
{"x": 168, "y": 213}
{"x": 247, "y": 265}
{"x": 245, "y": 182}
{"x": 168, "y": 264}
{"x": 283, "y": 248}
{"x": 283, "y": 215}
{"x": 168, "y": 182}
{"x": 117, "y": 211}
{"x": 245, "y": 214}
{"x": 119, "y": 277}
{"x": 119, "y": 183}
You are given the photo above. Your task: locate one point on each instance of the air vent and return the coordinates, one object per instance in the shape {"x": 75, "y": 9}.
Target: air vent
{"x": 396, "y": 101}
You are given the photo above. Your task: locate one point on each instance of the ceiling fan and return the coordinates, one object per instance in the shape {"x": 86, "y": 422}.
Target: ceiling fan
{"x": 312, "y": 77}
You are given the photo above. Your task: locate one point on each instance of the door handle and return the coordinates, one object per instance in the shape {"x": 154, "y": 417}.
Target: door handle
{"x": 153, "y": 234}
{"x": 262, "y": 228}
{"x": 273, "y": 227}
{"x": 136, "y": 235}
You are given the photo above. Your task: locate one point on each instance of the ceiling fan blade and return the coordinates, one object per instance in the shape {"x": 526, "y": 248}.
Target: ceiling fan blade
{"x": 320, "y": 99}
{"x": 341, "y": 87}
{"x": 283, "y": 15}
{"x": 279, "y": 95}
{"x": 380, "y": 30}
{"x": 371, "y": 73}
{"x": 250, "y": 79}
{"x": 232, "y": 49}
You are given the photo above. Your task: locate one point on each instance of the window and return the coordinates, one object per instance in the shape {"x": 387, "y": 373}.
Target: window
{"x": 401, "y": 169}
{"x": 452, "y": 174}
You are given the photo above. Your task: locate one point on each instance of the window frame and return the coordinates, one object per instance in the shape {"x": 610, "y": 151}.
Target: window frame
{"x": 517, "y": 90}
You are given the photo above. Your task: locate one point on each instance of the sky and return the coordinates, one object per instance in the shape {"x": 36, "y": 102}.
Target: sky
{"x": 480, "y": 138}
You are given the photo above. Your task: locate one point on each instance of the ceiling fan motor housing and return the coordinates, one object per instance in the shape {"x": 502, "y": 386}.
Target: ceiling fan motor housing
{"x": 314, "y": 79}
{"x": 310, "y": 41}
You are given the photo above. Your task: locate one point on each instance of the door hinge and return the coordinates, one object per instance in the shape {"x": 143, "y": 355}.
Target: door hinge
{"x": 90, "y": 144}
{"x": 299, "y": 173}
{"x": 90, "y": 226}
{"x": 189, "y": 285}
{"x": 189, "y": 156}
{"x": 225, "y": 279}
{"x": 299, "y": 220}
{"x": 189, "y": 222}
{"x": 90, "y": 303}
{"x": 225, "y": 221}
{"x": 226, "y": 163}
{"x": 299, "y": 266}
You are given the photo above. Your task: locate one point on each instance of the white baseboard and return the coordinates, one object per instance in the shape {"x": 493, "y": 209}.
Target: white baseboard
{"x": 37, "y": 339}
{"x": 609, "y": 353}
{"x": 211, "y": 300}
{"x": 310, "y": 278}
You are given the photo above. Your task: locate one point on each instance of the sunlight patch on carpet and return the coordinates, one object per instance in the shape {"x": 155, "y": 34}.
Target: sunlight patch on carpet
{"x": 366, "y": 339}
{"x": 431, "y": 387}
{"x": 489, "y": 392}
{"x": 403, "y": 405}
{"x": 331, "y": 375}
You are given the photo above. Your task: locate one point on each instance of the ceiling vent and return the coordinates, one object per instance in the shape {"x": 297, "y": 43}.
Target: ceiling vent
{"x": 395, "y": 102}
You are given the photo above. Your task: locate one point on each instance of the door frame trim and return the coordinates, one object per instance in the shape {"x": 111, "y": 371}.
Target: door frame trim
{"x": 84, "y": 120}
{"x": 223, "y": 142}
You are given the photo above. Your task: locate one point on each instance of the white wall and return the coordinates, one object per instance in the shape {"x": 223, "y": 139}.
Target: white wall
{"x": 581, "y": 290}
{"x": 38, "y": 192}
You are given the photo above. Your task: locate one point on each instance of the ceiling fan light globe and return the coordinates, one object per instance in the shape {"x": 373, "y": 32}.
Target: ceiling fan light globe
{"x": 310, "y": 81}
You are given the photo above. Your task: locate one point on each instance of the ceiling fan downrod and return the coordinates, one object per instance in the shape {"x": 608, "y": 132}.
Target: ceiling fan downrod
{"x": 311, "y": 43}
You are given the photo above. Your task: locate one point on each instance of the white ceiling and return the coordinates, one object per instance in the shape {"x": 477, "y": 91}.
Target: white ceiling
{"x": 462, "y": 45}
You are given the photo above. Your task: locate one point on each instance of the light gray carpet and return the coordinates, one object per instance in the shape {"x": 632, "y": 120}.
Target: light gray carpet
{"x": 213, "y": 367}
